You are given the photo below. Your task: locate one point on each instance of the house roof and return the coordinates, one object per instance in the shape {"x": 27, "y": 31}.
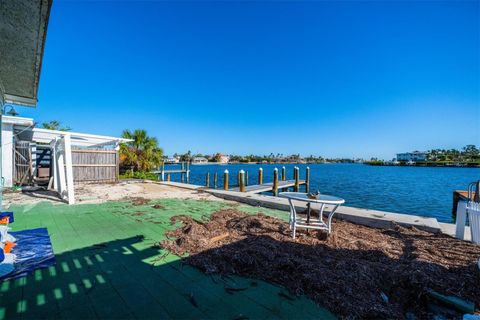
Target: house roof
{"x": 23, "y": 27}
{"x": 25, "y": 131}
{"x": 18, "y": 121}
{"x": 77, "y": 139}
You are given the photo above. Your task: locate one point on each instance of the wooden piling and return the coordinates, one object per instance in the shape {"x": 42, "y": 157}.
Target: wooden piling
{"x": 260, "y": 176}
{"x": 284, "y": 174}
{"x": 225, "y": 180}
{"x": 215, "y": 176}
{"x": 307, "y": 179}
{"x": 241, "y": 180}
{"x": 476, "y": 195}
{"x": 168, "y": 177}
{"x": 162, "y": 174}
{"x": 246, "y": 178}
{"x": 207, "y": 180}
{"x": 275, "y": 182}
{"x": 238, "y": 178}
{"x": 296, "y": 176}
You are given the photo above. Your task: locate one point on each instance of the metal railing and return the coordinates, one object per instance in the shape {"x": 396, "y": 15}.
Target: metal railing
{"x": 471, "y": 196}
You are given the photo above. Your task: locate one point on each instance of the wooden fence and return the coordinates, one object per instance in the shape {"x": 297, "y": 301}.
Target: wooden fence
{"x": 23, "y": 162}
{"x": 95, "y": 165}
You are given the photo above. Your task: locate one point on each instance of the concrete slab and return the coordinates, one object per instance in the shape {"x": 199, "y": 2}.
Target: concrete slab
{"x": 179, "y": 185}
{"x": 258, "y": 188}
{"x": 450, "y": 228}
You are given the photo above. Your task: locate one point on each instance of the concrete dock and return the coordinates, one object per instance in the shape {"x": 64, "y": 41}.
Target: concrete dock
{"x": 259, "y": 188}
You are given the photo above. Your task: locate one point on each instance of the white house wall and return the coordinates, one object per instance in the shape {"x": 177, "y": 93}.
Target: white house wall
{"x": 7, "y": 154}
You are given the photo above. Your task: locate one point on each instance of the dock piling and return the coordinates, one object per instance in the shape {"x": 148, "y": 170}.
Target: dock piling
{"x": 215, "y": 176}
{"x": 207, "y": 180}
{"x": 260, "y": 176}
{"x": 307, "y": 179}
{"x": 164, "y": 174}
{"x": 275, "y": 182}
{"x": 246, "y": 178}
{"x": 284, "y": 174}
{"x": 296, "y": 176}
{"x": 241, "y": 180}
{"x": 225, "y": 180}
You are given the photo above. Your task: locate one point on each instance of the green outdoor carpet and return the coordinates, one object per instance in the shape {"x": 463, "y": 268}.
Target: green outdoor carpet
{"x": 108, "y": 267}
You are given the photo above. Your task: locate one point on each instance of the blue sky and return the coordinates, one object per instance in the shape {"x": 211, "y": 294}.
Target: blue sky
{"x": 338, "y": 79}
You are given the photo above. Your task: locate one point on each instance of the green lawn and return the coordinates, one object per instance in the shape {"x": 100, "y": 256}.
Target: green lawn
{"x": 108, "y": 267}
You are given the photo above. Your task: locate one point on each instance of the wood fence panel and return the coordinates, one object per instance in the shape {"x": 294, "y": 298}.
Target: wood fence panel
{"x": 23, "y": 162}
{"x": 95, "y": 165}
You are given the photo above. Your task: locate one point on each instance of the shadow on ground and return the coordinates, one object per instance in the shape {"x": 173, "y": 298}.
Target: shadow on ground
{"x": 356, "y": 272}
{"x": 44, "y": 194}
{"x": 119, "y": 280}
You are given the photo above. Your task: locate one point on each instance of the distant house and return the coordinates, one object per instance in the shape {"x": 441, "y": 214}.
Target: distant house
{"x": 199, "y": 160}
{"x": 412, "y": 156}
{"x": 224, "y": 159}
{"x": 172, "y": 160}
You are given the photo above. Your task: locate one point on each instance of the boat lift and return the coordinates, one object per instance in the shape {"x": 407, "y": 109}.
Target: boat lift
{"x": 184, "y": 171}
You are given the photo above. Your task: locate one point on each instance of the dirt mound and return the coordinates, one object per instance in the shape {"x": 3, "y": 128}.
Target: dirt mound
{"x": 356, "y": 272}
{"x": 138, "y": 201}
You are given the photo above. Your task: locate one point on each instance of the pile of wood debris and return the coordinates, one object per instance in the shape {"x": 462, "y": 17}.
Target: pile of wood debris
{"x": 356, "y": 272}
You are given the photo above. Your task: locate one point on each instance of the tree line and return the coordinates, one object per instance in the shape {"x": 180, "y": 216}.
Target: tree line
{"x": 143, "y": 154}
{"x": 469, "y": 153}
{"x": 270, "y": 158}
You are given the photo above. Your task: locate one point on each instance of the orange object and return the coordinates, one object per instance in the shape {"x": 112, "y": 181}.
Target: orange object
{"x": 9, "y": 246}
{"x": 4, "y": 220}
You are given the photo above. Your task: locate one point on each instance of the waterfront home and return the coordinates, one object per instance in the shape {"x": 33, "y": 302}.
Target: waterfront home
{"x": 199, "y": 160}
{"x": 412, "y": 156}
{"x": 223, "y": 158}
{"x": 165, "y": 250}
{"x": 172, "y": 160}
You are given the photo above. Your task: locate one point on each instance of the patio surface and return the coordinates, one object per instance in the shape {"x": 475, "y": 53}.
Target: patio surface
{"x": 108, "y": 267}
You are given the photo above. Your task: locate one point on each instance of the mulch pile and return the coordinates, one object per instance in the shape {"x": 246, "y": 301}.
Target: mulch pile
{"x": 138, "y": 201}
{"x": 356, "y": 272}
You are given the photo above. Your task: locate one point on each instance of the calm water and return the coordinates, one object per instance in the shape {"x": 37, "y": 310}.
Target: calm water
{"x": 412, "y": 190}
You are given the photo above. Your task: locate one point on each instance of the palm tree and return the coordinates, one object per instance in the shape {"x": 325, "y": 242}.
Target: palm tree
{"x": 54, "y": 125}
{"x": 143, "y": 153}
{"x": 187, "y": 157}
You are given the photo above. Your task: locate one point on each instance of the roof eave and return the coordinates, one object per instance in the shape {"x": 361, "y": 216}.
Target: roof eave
{"x": 23, "y": 43}
{"x": 23, "y": 101}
